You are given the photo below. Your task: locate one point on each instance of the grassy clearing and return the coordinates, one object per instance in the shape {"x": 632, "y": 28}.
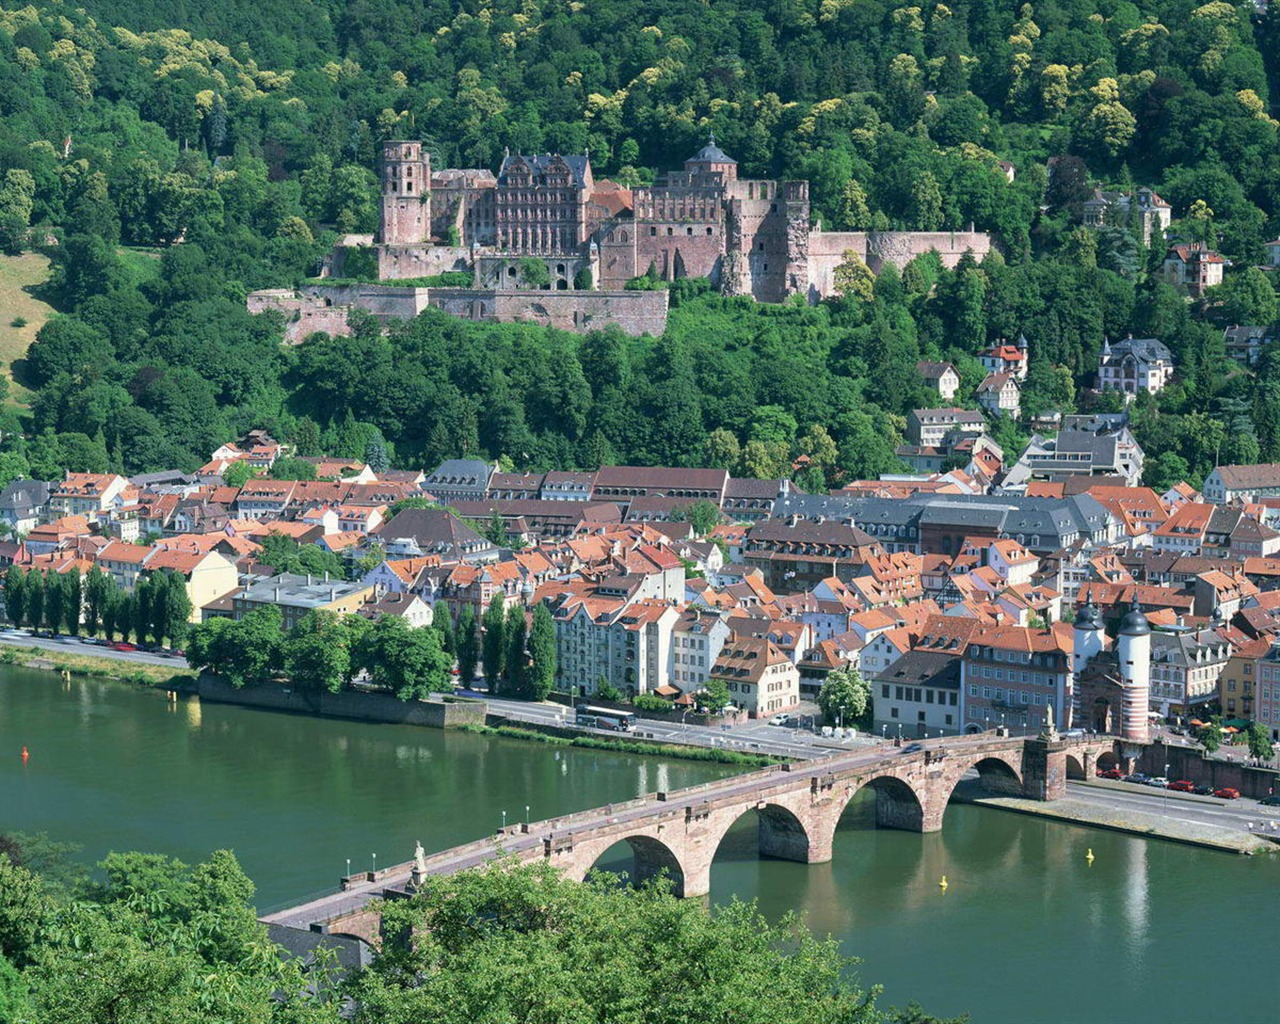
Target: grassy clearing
{"x": 87, "y": 665}
{"x": 19, "y": 274}
{"x": 143, "y": 264}
{"x": 668, "y": 750}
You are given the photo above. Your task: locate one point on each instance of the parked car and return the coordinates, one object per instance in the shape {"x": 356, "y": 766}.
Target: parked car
{"x": 123, "y": 647}
{"x": 1203, "y": 791}
{"x": 1136, "y": 777}
{"x": 1183, "y": 786}
{"x": 780, "y": 719}
{"x": 1110, "y": 773}
{"x": 1158, "y": 782}
{"x": 1271, "y": 801}
{"x": 911, "y": 748}
{"x": 1227, "y": 793}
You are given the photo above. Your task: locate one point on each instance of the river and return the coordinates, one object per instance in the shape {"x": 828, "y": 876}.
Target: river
{"x": 1027, "y": 930}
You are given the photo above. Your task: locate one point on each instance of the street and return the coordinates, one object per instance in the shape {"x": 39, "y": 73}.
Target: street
{"x": 78, "y": 645}
{"x": 757, "y": 737}
{"x": 1200, "y": 810}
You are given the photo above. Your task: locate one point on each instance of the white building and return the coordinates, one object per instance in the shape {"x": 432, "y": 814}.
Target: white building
{"x": 1133, "y": 365}
{"x": 1000, "y": 395}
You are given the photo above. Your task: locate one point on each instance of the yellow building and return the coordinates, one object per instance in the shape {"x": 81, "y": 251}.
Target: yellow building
{"x": 1236, "y": 685}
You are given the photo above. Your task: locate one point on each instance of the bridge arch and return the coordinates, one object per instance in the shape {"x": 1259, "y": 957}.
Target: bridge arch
{"x": 1075, "y": 768}
{"x": 651, "y": 859}
{"x": 898, "y": 805}
{"x": 998, "y": 775}
{"x": 780, "y": 834}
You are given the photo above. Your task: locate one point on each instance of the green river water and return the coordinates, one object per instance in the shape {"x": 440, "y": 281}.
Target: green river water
{"x": 1027, "y": 931}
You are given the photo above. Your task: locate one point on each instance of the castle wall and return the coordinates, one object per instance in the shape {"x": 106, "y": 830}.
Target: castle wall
{"x": 901, "y": 247}
{"x": 380, "y": 300}
{"x": 876, "y": 248}
{"x": 634, "y": 312}
{"x": 398, "y": 262}
{"x": 826, "y": 252}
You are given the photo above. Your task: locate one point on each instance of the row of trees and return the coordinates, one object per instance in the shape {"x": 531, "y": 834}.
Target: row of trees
{"x": 519, "y": 657}
{"x": 325, "y": 652}
{"x": 158, "y": 609}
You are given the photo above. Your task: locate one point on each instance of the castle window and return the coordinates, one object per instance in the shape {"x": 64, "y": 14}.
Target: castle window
{"x": 708, "y": 231}
{"x": 622, "y": 236}
{"x": 669, "y": 231}
{"x": 688, "y": 231}
{"x": 760, "y": 245}
{"x": 408, "y": 186}
{"x": 652, "y": 232}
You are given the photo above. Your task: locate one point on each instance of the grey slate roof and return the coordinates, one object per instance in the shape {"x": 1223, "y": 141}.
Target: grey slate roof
{"x": 23, "y": 498}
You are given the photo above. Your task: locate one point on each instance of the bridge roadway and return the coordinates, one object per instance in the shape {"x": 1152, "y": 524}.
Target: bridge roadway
{"x": 537, "y": 840}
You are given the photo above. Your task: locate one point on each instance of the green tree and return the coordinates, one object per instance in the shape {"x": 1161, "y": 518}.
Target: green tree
{"x": 541, "y": 931}
{"x": 517, "y": 660}
{"x": 33, "y": 598}
{"x": 715, "y": 695}
{"x": 542, "y": 652}
{"x": 442, "y": 623}
{"x": 175, "y": 612}
{"x": 494, "y": 643}
{"x": 702, "y": 515}
{"x": 97, "y": 589}
{"x": 844, "y": 697}
{"x": 1259, "y": 737}
{"x": 468, "y": 645}
{"x": 144, "y": 599}
{"x": 1211, "y": 737}
{"x": 316, "y": 655}
{"x": 238, "y": 474}
{"x": 55, "y": 602}
{"x": 15, "y": 605}
{"x": 409, "y": 662}
{"x": 853, "y": 279}
{"x": 72, "y": 600}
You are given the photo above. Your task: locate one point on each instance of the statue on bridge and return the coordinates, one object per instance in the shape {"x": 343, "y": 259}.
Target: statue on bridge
{"x": 419, "y": 864}
{"x": 1050, "y": 730}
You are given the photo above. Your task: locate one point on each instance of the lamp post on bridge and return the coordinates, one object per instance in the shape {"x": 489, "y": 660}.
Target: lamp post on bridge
{"x": 504, "y": 821}
{"x": 375, "y": 863}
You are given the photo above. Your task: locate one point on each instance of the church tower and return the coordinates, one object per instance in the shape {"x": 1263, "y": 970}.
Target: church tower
{"x": 406, "y": 194}
{"x": 1134, "y": 655}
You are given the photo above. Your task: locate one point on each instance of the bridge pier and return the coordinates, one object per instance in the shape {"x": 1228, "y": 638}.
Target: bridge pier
{"x": 783, "y": 837}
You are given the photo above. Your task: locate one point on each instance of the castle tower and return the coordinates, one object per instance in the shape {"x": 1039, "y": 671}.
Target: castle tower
{"x": 406, "y": 194}
{"x": 795, "y": 195}
{"x": 1089, "y": 632}
{"x": 1134, "y": 654}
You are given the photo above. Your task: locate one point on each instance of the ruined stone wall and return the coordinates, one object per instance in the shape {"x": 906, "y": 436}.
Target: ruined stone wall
{"x": 634, "y": 312}
{"x": 901, "y": 247}
{"x": 618, "y": 262}
{"x": 380, "y": 300}
{"x": 304, "y": 314}
{"x": 398, "y": 262}
{"x": 827, "y": 249}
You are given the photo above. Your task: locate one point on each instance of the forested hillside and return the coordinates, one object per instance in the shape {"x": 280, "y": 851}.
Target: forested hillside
{"x": 247, "y": 132}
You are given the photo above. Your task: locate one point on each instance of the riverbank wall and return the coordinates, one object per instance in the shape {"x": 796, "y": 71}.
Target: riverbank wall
{"x": 1194, "y": 764}
{"x": 447, "y": 713}
{"x": 1137, "y": 823}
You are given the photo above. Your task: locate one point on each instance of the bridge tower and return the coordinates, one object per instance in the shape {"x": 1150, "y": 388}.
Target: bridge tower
{"x": 406, "y": 194}
{"x": 1134, "y": 655}
{"x": 1089, "y": 631}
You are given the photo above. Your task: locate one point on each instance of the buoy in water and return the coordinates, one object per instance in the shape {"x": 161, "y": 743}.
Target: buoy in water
{"x": 26, "y": 756}
{"x": 943, "y": 884}
{"x": 1089, "y": 855}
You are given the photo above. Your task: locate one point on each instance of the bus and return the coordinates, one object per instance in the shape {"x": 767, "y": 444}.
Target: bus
{"x": 605, "y": 718}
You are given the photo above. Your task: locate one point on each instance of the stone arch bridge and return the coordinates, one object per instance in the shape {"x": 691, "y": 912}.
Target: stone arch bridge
{"x": 798, "y": 807}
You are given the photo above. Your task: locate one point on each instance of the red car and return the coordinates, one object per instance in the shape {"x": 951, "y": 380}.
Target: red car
{"x": 1227, "y": 793}
{"x": 1183, "y": 786}
{"x": 1112, "y": 773}
{"x": 123, "y": 647}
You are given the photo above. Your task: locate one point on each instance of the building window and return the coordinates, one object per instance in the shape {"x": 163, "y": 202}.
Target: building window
{"x": 652, "y": 232}
{"x": 893, "y": 712}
